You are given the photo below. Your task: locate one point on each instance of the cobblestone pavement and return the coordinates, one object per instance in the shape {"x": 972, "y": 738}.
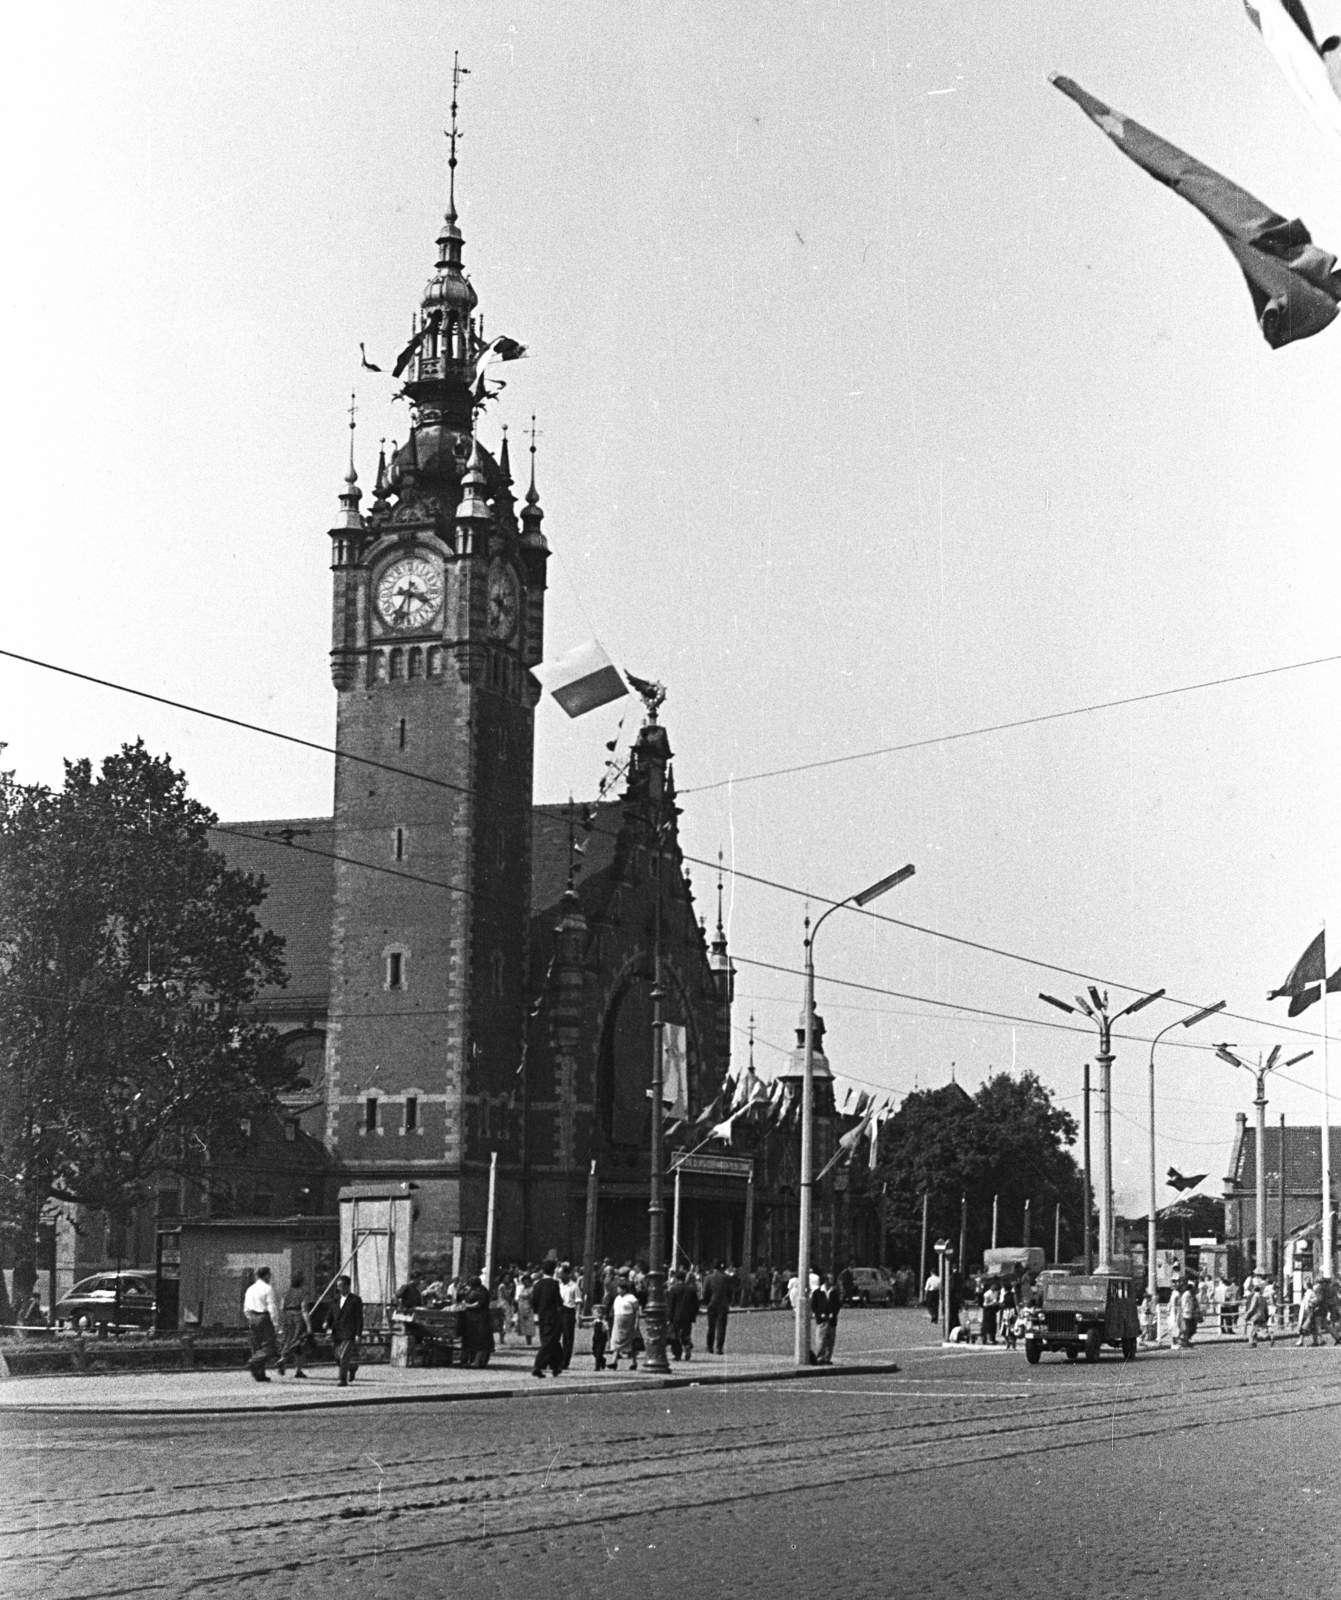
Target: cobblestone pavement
{"x": 967, "y": 1472}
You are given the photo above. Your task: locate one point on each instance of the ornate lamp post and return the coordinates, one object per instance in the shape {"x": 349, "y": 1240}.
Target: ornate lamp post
{"x": 802, "y": 1345}
{"x": 1096, "y": 1009}
{"x": 1259, "y": 1072}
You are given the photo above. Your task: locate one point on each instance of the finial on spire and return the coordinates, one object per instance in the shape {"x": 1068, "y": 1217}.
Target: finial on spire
{"x": 458, "y": 72}
{"x": 532, "y": 498}
{"x": 719, "y": 894}
{"x": 751, "y": 1041}
{"x": 353, "y": 476}
{"x": 352, "y": 494}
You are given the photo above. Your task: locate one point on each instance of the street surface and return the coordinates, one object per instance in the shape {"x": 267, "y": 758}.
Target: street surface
{"x": 1211, "y": 1473}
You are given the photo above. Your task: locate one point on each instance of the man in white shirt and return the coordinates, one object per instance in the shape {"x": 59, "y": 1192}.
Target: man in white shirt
{"x": 262, "y": 1312}
{"x": 570, "y": 1299}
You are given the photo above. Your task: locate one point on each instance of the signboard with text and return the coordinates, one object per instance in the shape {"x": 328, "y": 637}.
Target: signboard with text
{"x": 717, "y": 1166}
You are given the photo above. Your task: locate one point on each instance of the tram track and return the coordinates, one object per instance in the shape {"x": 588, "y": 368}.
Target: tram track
{"x": 683, "y": 1469}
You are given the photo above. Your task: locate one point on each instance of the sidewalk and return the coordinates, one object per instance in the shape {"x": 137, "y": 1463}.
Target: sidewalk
{"x": 508, "y": 1376}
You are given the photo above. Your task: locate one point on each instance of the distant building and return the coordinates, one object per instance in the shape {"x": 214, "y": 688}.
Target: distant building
{"x": 1293, "y": 1158}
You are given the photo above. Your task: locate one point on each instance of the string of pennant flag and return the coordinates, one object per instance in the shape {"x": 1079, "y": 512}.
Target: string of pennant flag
{"x": 1294, "y": 284}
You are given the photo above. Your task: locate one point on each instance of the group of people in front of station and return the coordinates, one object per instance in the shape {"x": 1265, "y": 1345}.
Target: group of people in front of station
{"x": 542, "y": 1305}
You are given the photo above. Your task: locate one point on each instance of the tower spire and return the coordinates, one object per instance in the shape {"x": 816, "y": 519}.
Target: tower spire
{"x": 532, "y": 516}
{"x": 458, "y": 72}
{"x": 352, "y": 493}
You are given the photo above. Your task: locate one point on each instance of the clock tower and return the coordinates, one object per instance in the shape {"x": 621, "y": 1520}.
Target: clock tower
{"x": 438, "y": 615}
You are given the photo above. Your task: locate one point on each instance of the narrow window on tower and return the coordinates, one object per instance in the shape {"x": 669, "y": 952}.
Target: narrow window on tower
{"x": 500, "y": 851}
{"x": 400, "y": 844}
{"x": 400, "y": 733}
{"x": 502, "y": 744}
{"x": 395, "y": 970}
{"x": 370, "y": 1114}
{"x": 411, "y": 1113}
{"x": 398, "y": 663}
{"x": 497, "y": 964}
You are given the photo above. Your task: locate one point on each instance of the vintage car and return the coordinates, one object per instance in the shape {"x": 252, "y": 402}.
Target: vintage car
{"x": 97, "y": 1300}
{"x": 1083, "y": 1313}
{"x": 871, "y": 1286}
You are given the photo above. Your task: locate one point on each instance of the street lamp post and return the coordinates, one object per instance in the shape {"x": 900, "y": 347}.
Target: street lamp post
{"x": 1260, "y": 1072}
{"x": 802, "y": 1344}
{"x": 1096, "y": 1009}
{"x": 1184, "y": 1022}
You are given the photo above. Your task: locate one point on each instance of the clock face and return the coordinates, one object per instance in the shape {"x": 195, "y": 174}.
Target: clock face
{"x": 409, "y": 592}
{"x": 504, "y": 601}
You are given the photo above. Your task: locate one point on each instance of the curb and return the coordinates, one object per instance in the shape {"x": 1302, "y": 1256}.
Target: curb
{"x": 443, "y": 1397}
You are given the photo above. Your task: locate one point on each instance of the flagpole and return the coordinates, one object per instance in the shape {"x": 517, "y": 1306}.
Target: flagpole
{"x": 1326, "y": 1129}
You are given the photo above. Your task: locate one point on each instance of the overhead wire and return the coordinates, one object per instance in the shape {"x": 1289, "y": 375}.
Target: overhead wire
{"x": 551, "y": 818}
{"x": 1005, "y": 727}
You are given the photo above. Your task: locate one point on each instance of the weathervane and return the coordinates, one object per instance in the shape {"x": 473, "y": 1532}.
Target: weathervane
{"x": 653, "y": 694}
{"x": 458, "y": 72}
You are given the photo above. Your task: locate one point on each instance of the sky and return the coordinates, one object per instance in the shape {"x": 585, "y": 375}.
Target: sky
{"x": 879, "y": 398}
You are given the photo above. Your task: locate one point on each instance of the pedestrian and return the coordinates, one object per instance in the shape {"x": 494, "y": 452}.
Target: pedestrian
{"x": 931, "y": 1293}
{"x": 261, "y": 1310}
{"x": 570, "y": 1293}
{"x": 686, "y": 1314}
{"x": 779, "y": 1286}
{"x": 717, "y": 1299}
{"x": 1256, "y": 1315}
{"x": 674, "y": 1295}
{"x": 296, "y": 1315}
{"x": 825, "y": 1304}
{"x": 991, "y": 1302}
{"x": 525, "y": 1315}
{"x": 1310, "y": 1314}
{"x": 624, "y": 1333}
{"x": 477, "y": 1324}
{"x": 547, "y": 1304}
{"x": 346, "y": 1329}
{"x": 600, "y": 1337}
{"x": 409, "y": 1297}
{"x": 1187, "y": 1314}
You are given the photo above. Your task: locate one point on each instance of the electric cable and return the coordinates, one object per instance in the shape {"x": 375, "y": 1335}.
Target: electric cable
{"x": 1004, "y": 727}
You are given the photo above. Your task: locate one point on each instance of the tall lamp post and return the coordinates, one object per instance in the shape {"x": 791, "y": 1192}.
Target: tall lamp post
{"x": 802, "y": 1346}
{"x": 1260, "y": 1073}
{"x": 1096, "y": 1009}
{"x": 1183, "y": 1022}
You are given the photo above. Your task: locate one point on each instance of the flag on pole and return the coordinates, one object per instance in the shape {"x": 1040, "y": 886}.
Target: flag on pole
{"x": 876, "y": 1120}
{"x": 500, "y": 349}
{"x": 722, "y": 1130}
{"x": 1294, "y": 284}
{"x": 582, "y": 680}
{"x": 1311, "y": 69}
{"x": 847, "y": 1144}
{"x": 675, "y": 1069}
{"x": 431, "y": 325}
{"x": 1303, "y": 983}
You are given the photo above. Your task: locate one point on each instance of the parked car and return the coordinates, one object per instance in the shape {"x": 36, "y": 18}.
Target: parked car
{"x": 96, "y": 1299}
{"x": 1083, "y": 1314}
{"x": 871, "y": 1286}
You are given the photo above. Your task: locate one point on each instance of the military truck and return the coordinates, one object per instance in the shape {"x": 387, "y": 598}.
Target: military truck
{"x": 1082, "y": 1313}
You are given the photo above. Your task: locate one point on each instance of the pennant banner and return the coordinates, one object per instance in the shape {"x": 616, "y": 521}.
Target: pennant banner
{"x": 1295, "y": 286}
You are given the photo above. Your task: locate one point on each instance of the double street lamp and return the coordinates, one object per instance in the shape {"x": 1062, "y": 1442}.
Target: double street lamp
{"x": 802, "y": 1349}
{"x": 1096, "y": 1009}
{"x": 1260, "y": 1072}
{"x": 1178, "y": 1022}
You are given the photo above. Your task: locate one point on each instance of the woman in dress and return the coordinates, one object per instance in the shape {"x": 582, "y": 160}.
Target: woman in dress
{"x": 525, "y": 1316}
{"x": 625, "y": 1329}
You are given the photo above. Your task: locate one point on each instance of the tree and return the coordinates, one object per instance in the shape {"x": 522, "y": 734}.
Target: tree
{"x": 130, "y": 954}
{"x": 1010, "y": 1140}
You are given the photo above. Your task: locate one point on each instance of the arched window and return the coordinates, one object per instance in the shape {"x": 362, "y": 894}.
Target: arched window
{"x": 416, "y": 661}
{"x": 397, "y": 663}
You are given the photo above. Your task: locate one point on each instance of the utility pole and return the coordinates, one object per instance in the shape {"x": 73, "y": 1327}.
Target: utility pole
{"x": 1260, "y": 1072}
{"x": 1027, "y": 1216}
{"x": 996, "y": 1206}
{"x": 922, "y": 1276}
{"x": 1089, "y": 1197}
{"x": 963, "y": 1234}
{"x": 1056, "y": 1233}
{"x": 1280, "y": 1301}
